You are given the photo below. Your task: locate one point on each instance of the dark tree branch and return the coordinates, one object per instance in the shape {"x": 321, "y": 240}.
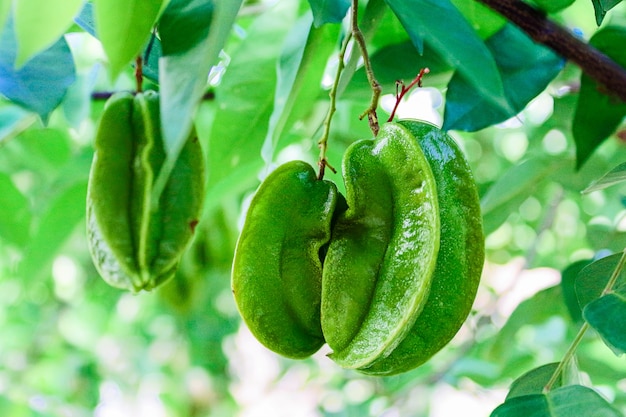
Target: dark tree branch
{"x": 105, "y": 95}
{"x": 542, "y": 30}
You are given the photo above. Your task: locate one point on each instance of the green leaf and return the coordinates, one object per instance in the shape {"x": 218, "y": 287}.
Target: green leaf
{"x": 526, "y": 406}
{"x": 185, "y": 24}
{"x": 300, "y": 71}
{"x": 526, "y": 68}
{"x": 85, "y": 20}
{"x": 151, "y": 56}
{"x": 614, "y": 176}
{"x": 606, "y": 236}
{"x": 598, "y": 113}
{"x": 483, "y": 20}
{"x": 124, "y": 27}
{"x": 568, "y": 286}
{"x": 593, "y": 278}
{"x": 328, "y": 11}
{"x": 534, "y": 381}
{"x": 183, "y": 72}
{"x": 607, "y": 316}
{"x": 601, "y": 7}
{"x": 573, "y": 400}
{"x": 519, "y": 181}
{"x": 552, "y": 6}
{"x": 189, "y": 53}
{"x": 15, "y": 214}
{"x": 185, "y": 67}
{"x": 244, "y": 100}
{"x": 39, "y": 85}
{"x": 497, "y": 217}
{"x": 461, "y": 48}
{"x": 39, "y": 24}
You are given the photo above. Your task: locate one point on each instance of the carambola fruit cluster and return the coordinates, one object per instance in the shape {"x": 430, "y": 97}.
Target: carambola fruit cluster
{"x": 134, "y": 244}
{"x": 386, "y": 275}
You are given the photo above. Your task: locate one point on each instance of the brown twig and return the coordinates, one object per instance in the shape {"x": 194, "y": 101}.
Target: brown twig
{"x": 332, "y": 95}
{"x": 405, "y": 89}
{"x": 542, "y": 30}
{"x": 139, "y": 74}
{"x": 374, "y": 84}
{"x": 105, "y": 95}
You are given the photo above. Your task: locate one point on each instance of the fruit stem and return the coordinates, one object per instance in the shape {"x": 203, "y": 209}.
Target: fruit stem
{"x": 579, "y": 337}
{"x": 139, "y": 73}
{"x": 323, "y": 142}
{"x": 376, "y": 88}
